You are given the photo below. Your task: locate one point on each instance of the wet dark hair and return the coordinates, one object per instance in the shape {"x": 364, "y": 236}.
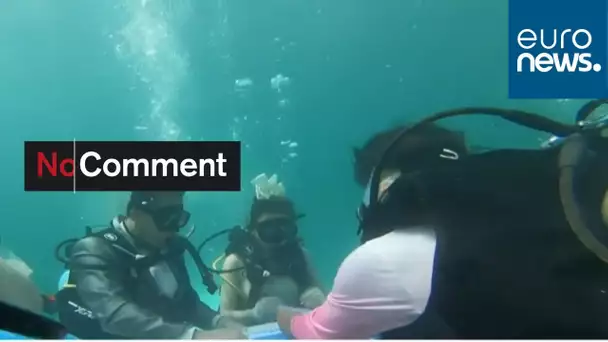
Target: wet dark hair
{"x": 416, "y": 144}
{"x": 138, "y": 197}
{"x": 274, "y": 205}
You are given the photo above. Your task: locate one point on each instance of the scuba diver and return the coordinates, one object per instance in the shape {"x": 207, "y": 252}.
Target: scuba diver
{"x": 265, "y": 264}
{"x": 130, "y": 280}
{"x": 21, "y": 303}
{"x": 504, "y": 244}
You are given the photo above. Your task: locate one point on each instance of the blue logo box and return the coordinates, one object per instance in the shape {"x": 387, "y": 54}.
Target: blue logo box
{"x": 558, "y": 49}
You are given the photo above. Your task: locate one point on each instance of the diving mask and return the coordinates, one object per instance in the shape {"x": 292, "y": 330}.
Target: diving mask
{"x": 277, "y": 231}
{"x": 168, "y": 219}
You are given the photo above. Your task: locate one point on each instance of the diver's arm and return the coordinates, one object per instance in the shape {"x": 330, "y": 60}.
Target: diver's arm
{"x": 198, "y": 312}
{"x": 98, "y": 276}
{"x": 231, "y": 293}
{"x": 371, "y": 293}
{"x": 285, "y": 315}
{"x": 206, "y": 317}
{"x": 202, "y": 315}
{"x": 224, "y": 322}
{"x": 211, "y": 319}
{"x": 313, "y": 296}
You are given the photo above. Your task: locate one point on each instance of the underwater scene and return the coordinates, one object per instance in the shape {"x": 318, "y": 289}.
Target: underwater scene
{"x": 317, "y": 92}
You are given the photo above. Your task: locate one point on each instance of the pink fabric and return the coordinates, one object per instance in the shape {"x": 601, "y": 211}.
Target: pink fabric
{"x": 382, "y": 285}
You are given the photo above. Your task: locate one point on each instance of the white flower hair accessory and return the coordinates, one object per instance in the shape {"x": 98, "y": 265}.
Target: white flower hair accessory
{"x": 267, "y": 187}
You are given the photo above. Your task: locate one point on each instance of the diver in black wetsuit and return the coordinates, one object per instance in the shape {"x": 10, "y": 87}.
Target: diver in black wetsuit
{"x": 130, "y": 280}
{"x": 519, "y": 237}
{"x": 522, "y": 249}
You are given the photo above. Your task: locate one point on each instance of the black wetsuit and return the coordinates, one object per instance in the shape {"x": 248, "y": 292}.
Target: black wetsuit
{"x": 290, "y": 261}
{"x": 293, "y": 266}
{"x": 123, "y": 297}
{"x": 507, "y": 263}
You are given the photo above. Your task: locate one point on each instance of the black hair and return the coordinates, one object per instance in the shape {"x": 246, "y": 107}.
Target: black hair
{"x": 138, "y": 197}
{"x": 417, "y": 143}
{"x": 274, "y": 205}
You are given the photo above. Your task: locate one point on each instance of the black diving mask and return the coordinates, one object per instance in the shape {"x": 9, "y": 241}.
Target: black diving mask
{"x": 277, "y": 231}
{"x": 168, "y": 219}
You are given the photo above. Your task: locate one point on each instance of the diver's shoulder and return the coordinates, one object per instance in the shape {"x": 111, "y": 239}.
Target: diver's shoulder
{"x": 93, "y": 245}
{"x": 399, "y": 242}
{"x": 400, "y": 235}
{"x": 232, "y": 261}
{"x": 410, "y": 233}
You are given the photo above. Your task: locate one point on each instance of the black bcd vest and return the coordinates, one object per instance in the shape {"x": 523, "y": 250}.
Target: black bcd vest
{"x": 507, "y": 264}
{"x": 75, "y": 314}
{"x": 292, "y": 264}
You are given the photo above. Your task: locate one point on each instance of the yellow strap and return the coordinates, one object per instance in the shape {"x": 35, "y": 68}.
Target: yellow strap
{"x": 215, "y": 267}
{"x": 216, "y": 261}
{"x": 605, "y": 208}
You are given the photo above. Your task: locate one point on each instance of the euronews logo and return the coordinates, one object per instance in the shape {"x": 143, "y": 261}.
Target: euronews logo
{"x": 565, "y": 51}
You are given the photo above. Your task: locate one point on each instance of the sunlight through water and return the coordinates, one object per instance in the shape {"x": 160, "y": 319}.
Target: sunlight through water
{"x": 150, "y": 46}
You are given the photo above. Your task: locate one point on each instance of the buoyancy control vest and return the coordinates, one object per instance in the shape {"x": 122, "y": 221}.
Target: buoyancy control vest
{"x": 509, "y": 266}
{"x": 258, "y": 268}
{"x": 517, "y": 251}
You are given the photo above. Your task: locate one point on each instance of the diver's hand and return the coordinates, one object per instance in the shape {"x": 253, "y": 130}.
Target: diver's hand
{"x": 266, "y": 309}
{"x": 312, "y": 298}
{"x": 220, "y": 334}
{"x": 224, "y": 322}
